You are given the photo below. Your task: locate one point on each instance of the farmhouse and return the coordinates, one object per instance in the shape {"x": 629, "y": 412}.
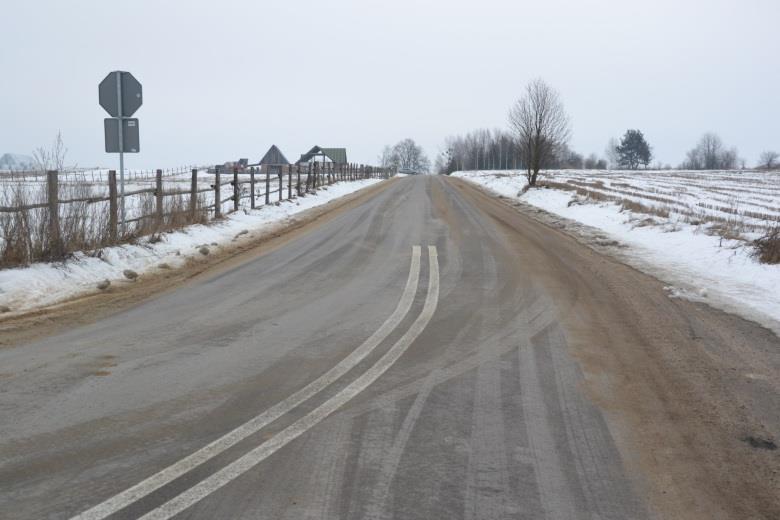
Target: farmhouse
{"x": 335, "y": 155}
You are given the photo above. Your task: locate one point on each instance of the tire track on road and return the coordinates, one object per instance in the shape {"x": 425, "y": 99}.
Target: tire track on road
{"x": 169, "y": 474}
{"x": 235, "y": 469}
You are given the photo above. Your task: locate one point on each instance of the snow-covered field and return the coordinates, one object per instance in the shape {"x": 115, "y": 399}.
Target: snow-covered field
{"x": 45, "y": 284}
{"x": 691, "y": 229}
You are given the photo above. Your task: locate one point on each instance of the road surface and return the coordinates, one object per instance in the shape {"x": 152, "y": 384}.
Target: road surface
{"x": 430, "y": 353}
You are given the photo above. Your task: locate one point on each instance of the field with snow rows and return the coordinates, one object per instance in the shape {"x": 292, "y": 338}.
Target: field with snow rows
{"x": 740, "y": 205}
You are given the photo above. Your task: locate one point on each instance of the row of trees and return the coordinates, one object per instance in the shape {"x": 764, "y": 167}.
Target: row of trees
{"x": 485, "y": 149}
{"x": 405, "y": 155}
{"x": 539, "y": 136}
{"x": 538, "y": 139}
{"x": 481, "y": 149}
{"x": 710, "y": 154}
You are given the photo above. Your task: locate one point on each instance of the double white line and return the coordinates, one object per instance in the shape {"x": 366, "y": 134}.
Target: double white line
{"x": 270, "y": 446}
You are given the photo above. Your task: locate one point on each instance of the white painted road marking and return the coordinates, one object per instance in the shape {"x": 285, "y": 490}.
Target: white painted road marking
{"x": 281, "y": 439}
{"x": 211, "y": 450}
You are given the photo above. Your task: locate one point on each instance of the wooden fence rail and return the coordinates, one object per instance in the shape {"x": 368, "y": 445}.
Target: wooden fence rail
{"x": 301, "y": 180}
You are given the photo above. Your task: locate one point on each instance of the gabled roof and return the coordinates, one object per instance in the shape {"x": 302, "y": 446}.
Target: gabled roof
{"x": 337, "y": 155}
{"x": 274, "y": 156}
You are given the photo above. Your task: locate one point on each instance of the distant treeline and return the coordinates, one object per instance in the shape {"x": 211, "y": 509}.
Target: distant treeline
{"x": 538, "y": 138}
{"x": 486, "y": 149}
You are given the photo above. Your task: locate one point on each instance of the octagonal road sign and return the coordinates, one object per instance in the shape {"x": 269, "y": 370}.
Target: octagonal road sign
{"x": 109, "y": 92}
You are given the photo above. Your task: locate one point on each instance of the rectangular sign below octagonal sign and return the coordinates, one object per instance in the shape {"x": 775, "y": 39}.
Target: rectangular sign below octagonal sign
{"x": 130, "y": 136}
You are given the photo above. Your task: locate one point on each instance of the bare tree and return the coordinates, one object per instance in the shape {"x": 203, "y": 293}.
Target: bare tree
{"x": 406, "y": 154}
{"x": 710, "y": 147}
{"x": 769, "y": 160}
{"x": 386, "y": 158}
{"x": 593, "y": 162}
{"x": 611, "y": 151}
{"x": 541, "y": 125}
{"x": 52, "y": 158}
{"x": 710, "y": 154}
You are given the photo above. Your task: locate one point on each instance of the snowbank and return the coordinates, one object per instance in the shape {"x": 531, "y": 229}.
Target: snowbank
{"x": 697, "y": 265}
{"x": 44, "y": 284}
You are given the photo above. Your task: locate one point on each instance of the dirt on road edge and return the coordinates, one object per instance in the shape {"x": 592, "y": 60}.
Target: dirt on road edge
{"x": 675, "y": 379}
{"x": 91, "y": 307}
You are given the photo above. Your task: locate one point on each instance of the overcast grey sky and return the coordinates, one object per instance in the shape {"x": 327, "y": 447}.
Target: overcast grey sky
{"x": 226, "y": 79}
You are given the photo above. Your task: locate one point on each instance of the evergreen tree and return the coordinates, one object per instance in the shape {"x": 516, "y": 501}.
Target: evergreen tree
{"x": 633, "y": 150}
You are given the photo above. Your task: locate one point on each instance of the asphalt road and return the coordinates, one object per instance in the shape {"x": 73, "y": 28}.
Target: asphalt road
{"x": 429, "y": 353}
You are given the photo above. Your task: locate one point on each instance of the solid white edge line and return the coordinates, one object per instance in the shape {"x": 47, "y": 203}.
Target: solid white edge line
{"x": 211, "y": 450}
{"x": 233, "y": 470}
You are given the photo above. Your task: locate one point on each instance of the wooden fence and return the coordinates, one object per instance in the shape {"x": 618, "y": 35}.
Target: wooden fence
{"x": 301, "y": 180}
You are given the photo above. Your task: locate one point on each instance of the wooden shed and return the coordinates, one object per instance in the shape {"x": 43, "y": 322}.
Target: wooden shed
{"x": 274, "y": 160}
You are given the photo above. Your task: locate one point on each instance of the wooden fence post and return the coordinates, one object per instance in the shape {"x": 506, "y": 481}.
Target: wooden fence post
{"x": 158, "y": 194}
{"x": 217, "y": 194}
{"x": 54, "y": 214}
{"x": 298, "y": 178}
{"x": 252, "y": 186}
{"x": 194, "y": 194}
{"x": 236, "y": 191}
{"x": 267, "y": 184}
{"x": 281, "y": 180}
{"x": 289, "y": 182}
{"x": 112, "y": 207}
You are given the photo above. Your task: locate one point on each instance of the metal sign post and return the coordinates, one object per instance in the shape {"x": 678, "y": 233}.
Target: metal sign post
{"x": 120, "y": 94}
{"x": 118, "y": 76}
{"x": 121, "y": 150}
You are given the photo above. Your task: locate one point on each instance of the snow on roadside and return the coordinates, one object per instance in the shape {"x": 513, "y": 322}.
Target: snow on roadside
{"x": 697, "y": 265}
{"x": 44, "y": 284}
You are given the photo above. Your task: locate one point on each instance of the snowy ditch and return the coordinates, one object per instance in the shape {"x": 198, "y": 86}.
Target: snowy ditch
{"x": 691, "y": 230}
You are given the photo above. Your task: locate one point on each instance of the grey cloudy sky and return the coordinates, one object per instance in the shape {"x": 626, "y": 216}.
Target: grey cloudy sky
{"x": 226, "y": 79}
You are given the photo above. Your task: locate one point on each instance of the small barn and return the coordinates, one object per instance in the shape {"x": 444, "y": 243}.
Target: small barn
{"x": 274, "y": 160}
{"x": 335, "y": 155}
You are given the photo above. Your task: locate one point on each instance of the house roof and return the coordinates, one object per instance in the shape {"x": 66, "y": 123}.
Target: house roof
{"x": 337, "y": 155}
{"x": 274, "y": 156}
